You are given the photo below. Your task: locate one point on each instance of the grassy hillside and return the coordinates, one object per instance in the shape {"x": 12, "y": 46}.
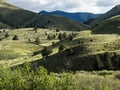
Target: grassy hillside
{"x": 113, "y": 12}
{"x": 56, "y": 22}
{"x": 86, "y": 50}
{"x": 13, "y": 15}
{"x": 2, "y": 25}
{"x": 109, "y": 26}
{"x": 86, "y": 47}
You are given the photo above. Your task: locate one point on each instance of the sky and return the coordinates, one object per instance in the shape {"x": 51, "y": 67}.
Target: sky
{"x": 94, "y": 6}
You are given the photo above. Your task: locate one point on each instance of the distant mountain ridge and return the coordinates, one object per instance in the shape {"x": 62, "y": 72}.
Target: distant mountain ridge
{"x": 12, "y": 16}
{"x": 78, "y": 16}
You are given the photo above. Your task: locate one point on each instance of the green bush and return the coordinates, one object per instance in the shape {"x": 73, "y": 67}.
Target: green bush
{"x": 7, "y": 35}
{"x": 61, "y": 47}
{"x": 117, "y": 76}
{"x": 37, "y": 41}
{"x": 15, "y": 37}
{"x": 25, "y": 78}
{"x": 46, "y": 51}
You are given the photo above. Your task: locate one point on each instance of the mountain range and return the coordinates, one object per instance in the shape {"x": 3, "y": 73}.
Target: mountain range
{"x": 14, "y": 17}
{"x": 78, "y": 16}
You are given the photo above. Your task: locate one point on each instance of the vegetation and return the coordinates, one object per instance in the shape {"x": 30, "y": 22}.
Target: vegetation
{"x": 41, "y": 79}
{"x": 46, "y": 51}
{"x": 7, "y": 35}
{"x": 61, "y": 47}
{"x": 37, "y": 41}
{"x": 111, "y": 13}
{"x": 15, "y": 17}
{"x": 109, "y": 26}
{"x": 15, "y": 37}
{"x": 39, "y": 45}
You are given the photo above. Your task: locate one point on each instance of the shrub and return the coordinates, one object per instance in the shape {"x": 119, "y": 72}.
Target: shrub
{"x": 53, "y": 43}
{"x": 64, "y": 35}
{"x": 35, "y": 31}
{"x": 35, "y": 28}
{"x": 37, "y": 40}
{"x": 70, "y": 51}
{"x": 71, "y": 38}
{"x": 46, "y": 51}
{"x": 108, "y": 63}
{"x": 61, "y": 47}
{"x": 60, "y": 36}
{"x": 50, "y": 36}
{"x": 45, "y": 33}
{"x": 57, "y": 30}
{"x": 15, "y": 37}
{"x": 98, "y": 63}
{"x": 6, "y": 35}
{"x": 117, "y": 76}
{"x": 4, "y": 30}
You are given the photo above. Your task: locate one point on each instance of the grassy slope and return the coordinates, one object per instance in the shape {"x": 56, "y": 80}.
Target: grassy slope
{"x": 113, "y": 12}
{"x": 109, "y": 26}
{"x": 83, "y": 54}
{"x": 22, "y": 49}
{"x": 2, "y": 25}
{"x": 56, "y": 22}
{"x": 13, "y": 15}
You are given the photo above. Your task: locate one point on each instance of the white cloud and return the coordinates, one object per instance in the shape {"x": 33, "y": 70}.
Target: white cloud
{"x": 95, "y": 6}
{"x": 107, "y": 3}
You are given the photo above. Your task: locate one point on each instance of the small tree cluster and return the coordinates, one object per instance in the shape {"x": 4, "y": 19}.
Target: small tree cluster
{"x": 51, "y": 36}
{"x": 62, "y": 36}
{"x": 71, "y": 36}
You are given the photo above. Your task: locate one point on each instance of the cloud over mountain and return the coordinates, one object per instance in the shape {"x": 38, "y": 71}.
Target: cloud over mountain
{"x": 95, "y": 6}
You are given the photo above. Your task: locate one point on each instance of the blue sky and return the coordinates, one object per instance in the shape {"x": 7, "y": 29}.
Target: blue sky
{"x": 94, "y": 6}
